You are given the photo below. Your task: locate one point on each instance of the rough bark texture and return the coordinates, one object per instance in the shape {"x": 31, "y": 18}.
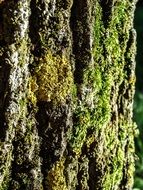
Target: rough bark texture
{"x": 66, "y": 94}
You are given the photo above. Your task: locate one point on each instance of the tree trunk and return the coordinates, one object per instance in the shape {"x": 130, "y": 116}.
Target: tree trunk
{"x": 66, "y": 94}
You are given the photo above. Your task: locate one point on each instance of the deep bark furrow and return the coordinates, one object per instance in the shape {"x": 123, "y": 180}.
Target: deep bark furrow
{"x": 81, "y": 26}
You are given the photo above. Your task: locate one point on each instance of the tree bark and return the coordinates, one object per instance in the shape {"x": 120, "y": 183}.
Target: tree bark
{"x": 67, "y": 86}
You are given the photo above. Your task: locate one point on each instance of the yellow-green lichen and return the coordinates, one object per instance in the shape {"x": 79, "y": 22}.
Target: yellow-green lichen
{"x": 33, "y": 87}
{"x": 56, "y": 179}
{"x": 53, "y": 79}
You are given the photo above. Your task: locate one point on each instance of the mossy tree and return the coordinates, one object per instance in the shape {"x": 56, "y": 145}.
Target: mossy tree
{"x": 66, "y": 94}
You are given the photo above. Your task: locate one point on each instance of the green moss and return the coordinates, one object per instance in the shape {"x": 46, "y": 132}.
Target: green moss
{"x": 117, "y": 139}
{"x": 80, "y": 129}
{"x": 96, "y": 116}
{"x": 95, "y": 109}
{"x": 99, "y": 108}
{"x": 52, "y": 80}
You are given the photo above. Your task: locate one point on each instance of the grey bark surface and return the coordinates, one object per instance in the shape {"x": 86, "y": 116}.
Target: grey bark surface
{"x": 66, "y": 94}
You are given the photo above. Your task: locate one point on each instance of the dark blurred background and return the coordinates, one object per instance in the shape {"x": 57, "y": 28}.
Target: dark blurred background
{"x": 138, "y": 100}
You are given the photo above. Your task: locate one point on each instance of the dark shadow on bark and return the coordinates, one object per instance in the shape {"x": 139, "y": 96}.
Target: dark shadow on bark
{"x": 107, "y": 6}
{"x": 81, "y": 38}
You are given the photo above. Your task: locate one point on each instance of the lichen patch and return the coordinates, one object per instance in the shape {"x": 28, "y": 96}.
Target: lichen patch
{"x": 53, "y": 78}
